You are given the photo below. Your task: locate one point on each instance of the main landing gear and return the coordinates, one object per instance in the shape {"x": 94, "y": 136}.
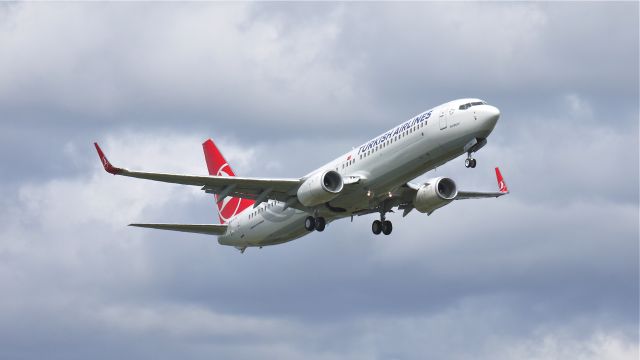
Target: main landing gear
{"x": 318, "y": 223}
{"x": 382, "y": 226}
{"x": 470, "y": 162}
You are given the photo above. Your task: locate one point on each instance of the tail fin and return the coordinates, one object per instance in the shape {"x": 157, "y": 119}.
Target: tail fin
{"x": 501, "y": 184}
{"x": 218, "y": 166}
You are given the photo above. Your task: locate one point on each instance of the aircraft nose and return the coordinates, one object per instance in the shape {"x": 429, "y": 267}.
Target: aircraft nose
{"x": 491, "y": 115}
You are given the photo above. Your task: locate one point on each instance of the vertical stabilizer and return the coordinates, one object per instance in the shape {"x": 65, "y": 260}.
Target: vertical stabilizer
{"x": 218, "y": 166}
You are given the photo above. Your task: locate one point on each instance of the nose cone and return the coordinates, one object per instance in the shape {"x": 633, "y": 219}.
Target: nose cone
{"x": 490, "y": 116}
{"x": 492, "y": 113}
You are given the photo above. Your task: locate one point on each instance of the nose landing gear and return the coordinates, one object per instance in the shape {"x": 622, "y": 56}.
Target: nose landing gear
{"x": 471, "y": 147}
{"x": 470, "y": 162}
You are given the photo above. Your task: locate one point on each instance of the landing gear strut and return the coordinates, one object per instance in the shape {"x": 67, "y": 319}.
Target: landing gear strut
{"x": 311, "y": 223}
{"x": 381, "y": 226}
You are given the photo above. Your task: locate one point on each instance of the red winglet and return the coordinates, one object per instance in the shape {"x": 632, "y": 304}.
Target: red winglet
{"x": 501, "y": 184}
{"x": 105, "y": 162}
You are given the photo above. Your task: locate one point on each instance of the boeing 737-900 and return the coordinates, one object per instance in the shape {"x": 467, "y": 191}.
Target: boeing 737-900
{"x": 372, "y": 178}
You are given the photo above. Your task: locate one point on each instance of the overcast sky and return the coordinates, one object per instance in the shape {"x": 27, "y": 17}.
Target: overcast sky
{"x": 548, "y": 272}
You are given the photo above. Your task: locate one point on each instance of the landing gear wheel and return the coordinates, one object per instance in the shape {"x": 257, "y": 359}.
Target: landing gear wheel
{"x": 320, "y": 223}
{"x": 310, "y": 223}
{"x": 470, "y": 162}
{"x": 376, "y": 227}
{"x": 387, "y": 227}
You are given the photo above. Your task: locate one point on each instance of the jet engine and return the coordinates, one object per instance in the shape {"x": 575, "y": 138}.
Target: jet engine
{"x": 434, "y": 194}
{"x": 320, "y": 188}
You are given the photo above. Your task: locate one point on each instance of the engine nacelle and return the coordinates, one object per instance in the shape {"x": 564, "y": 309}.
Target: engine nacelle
{"x": 320, "y": 188}
{"x": 434, "y": 194}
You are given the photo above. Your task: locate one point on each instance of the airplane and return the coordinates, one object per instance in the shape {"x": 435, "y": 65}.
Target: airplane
{"x": 372, "y": 178}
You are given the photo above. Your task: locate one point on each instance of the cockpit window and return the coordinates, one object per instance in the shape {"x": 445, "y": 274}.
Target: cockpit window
{"x": 468, "y": 105}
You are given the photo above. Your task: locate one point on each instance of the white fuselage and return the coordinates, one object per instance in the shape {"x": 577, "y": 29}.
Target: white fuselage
{"x": 380, "y": 165}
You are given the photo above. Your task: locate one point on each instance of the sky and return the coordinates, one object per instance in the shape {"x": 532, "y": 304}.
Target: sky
{"x": 548, "y": 272}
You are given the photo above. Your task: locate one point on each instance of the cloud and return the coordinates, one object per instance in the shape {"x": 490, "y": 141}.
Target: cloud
{"x": 195, "y": 59}
{"x": 599, "y": 346}
{"x": 183, "y": 289}
{"x": 549, "y": 271}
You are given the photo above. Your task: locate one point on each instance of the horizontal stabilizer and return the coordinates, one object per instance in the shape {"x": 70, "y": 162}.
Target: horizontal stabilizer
{"x": 206, "y": 229}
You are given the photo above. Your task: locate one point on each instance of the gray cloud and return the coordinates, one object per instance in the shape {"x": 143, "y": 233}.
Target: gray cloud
{"x": 550, "y": 271}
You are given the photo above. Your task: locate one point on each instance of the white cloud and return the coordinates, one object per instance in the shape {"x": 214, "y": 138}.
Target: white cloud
{"x": 71, "y": 233}
{"x": 579, "y": 107}
{"x": 549, "y": 271}
{"x": 599, "y": 346}
{"x": 198, "y": 56}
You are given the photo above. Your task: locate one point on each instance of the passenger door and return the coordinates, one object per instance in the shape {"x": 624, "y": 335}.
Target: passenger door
{"x": 443, "y": 119}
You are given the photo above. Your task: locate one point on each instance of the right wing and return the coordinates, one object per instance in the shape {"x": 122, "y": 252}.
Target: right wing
{"x": 403, "y": 197}
{"x": 502, "y": 187}
{"x": 206, "y": 229}
{"x": 259, "y": 189}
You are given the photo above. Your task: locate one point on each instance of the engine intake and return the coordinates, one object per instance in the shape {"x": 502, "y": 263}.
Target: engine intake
{"x": 320, "y": 188}
{"x": 434, "y": 194}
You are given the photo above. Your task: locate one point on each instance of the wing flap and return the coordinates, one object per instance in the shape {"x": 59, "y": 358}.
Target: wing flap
{"x": 206, "y": 229}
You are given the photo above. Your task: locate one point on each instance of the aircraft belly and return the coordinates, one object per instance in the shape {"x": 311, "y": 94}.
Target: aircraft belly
{"x": 285, "y": 231}
{"x": 272, "y": 230}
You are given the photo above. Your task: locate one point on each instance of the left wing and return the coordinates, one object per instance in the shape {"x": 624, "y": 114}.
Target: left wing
{"x": 207, "y": 229}
{"x": 258, "y": 189}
